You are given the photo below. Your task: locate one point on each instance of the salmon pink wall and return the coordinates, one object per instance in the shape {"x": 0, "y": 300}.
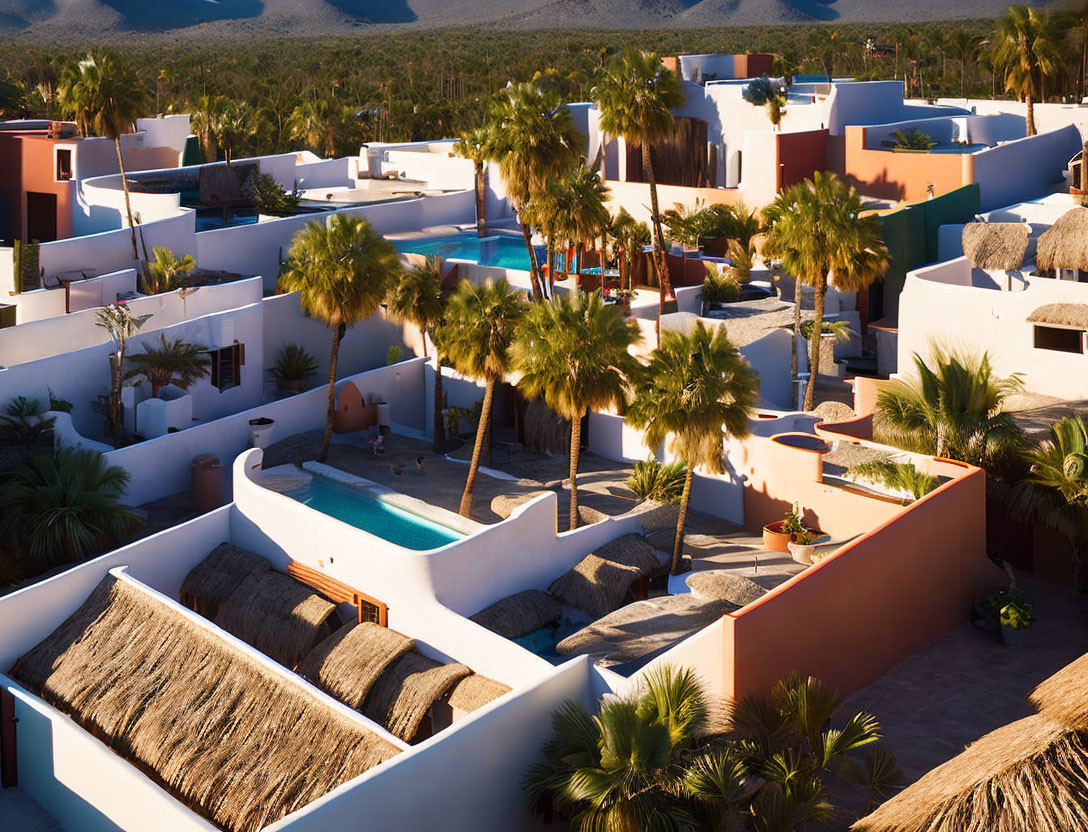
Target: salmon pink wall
{"x": 39, "y": 175}
{"x": 859, "y": 612}
{"x": 903, "y": 176}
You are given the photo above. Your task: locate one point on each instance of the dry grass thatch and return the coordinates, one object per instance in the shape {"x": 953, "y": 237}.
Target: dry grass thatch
{"x": 720, "y": 585}
{"x": 348, "y": 663}
{"x": 1028, "y": 776}
{"x": 238, "y": 743}
{"x": 1061, "y": 314}
{"x": 598, "y": 584}
{"x": 281, "y": 617}
{"x": 475, "y": 691}
{"x": 212, "y": 581}
{"x": 504, "y": 504}
{"x": 1064, "y": 696}
{"x": 631, "y": 550}
{"x": 1065, "y": 244}
{"x": 653, "y": 516}
{"x": 519, "y": 614}
{"x": 544, "y": 430}
{"x": 405, "y": 693}
{"x": 995, "y": 245}
{"x": 588, "y": 516}
{"x": 832, "y": 412}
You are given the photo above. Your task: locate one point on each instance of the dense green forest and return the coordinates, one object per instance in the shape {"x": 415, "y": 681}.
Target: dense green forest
{"x": 333, "y": 93}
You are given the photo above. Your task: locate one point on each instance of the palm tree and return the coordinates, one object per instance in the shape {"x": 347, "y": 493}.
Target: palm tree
{"x": 1078, "y": 32}
{"x": 1055, "y": 490}
{"x": 827, "y": 44}
{"x": 952, "y": 409}
{"x": 628, "y": 236}
{"x": 588, "y": 218}
{"x": 573, "y": 352}
{"x": 317, "y": 123}
{"x": 534, "y": 141}
{"x": 696, "y": 391}
{"x": 233, "y": 125}
{"x": 167, "y": 269}
{"x": 418, "y": 298}
{"x": 636, "y": 94}
{"x": 481, "y": 322}
{"x": 817, "y": 231}
{"x": 59, "y": 508}
{"x": 205, "y": 114}
{"x": 1026, "y": 46}
{"x": 474, "y": 144}
{"x": 342, "y": 272}
{"x": 121, "y": 325}
{"x": 175, "y": 362}
{"x": 105, "y": 96}
{"x": 965, "y": 47}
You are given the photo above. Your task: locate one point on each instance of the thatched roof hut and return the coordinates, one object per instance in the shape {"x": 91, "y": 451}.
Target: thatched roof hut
{"x": 401, "y": 698}
{"x": 475, "y": 691}
{"x": 520, "y": 614}
{"x": 1027, "y": 776}
{"x": 281, "y": 617}
{"x": 1061, "y": 314}
{"x": 348, "y": 663}
{"x": 721, "y": 585}
{"x": 995, "y": 245}
{"x": 241, "y": 745}
{"x": 1065, "y": 244}
{"x": 211, "y": 581}
{"x": 1064, "y": 696}
{"x": 600, "y": 581}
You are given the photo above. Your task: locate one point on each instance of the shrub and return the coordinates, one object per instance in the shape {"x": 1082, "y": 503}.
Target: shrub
{"x": 913, "y": 139}
{"x": 293, "y": 366}
{"x": 394, "y": 355}
{"x": 719, "y": 286}
{"x": 471, "y": 415}
{"x": 22, "y": 421}
{"x": 270, "y": 197}
{"x": 167, "y": 271}
{"x": 840, "y": 329}
{"x": 661, "y": 483}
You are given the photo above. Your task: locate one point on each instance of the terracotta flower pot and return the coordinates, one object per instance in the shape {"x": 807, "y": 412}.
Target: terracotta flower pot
{"x": 774, "y": 538}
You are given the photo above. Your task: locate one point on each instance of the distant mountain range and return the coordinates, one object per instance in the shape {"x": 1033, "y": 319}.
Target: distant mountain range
{"x": 75, "y": 19}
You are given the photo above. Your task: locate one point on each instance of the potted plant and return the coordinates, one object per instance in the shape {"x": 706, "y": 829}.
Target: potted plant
{"x": 777, "y": 535}
{"x": 1015, "y": 617}
{"x": 802, "y": 545}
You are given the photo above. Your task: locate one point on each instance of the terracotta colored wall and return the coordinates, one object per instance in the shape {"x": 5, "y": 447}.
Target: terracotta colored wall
{"x": 866, "y": 390}
{"x": 756, "y": 64}
{"x": 853, "y": 616}
{"x": 903, "y": 176}
{"x": 800, "y": 155}
{"x": 39, "y": 175}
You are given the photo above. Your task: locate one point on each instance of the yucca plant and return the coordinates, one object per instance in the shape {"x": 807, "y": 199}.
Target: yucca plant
{"x": 22, "y": 422}
{"x": 899, "y": 476}
{"x": 294, "y": 365}
{"x": 661, "y": 483}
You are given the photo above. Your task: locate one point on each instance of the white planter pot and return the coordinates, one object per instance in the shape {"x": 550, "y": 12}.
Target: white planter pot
{"x": 802, "y": 553}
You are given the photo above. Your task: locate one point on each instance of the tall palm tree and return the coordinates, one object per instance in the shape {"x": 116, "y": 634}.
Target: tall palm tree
{"x": 234, "y": 125}
{"x": 628, "y": 237}
{"x": 636, "y": 94}
{"x": 696, "y": 390}
{"x": 342, "y": 272}
{"x": 588, "y": 218}
{"x": 118, "y": 320}
{"x": 481, "y": 322}
{"x": 175, "y": 362}
{"x": 1055, "y": 490}
{"x": 58, "y": 508}
{"x": 474, "y": 144}
{"x": 1026, "y": 46}
{"x": 952, "y": 409}
{"x": 205, "y": 113}
{"x": 573, "y": 352}
{"x": 827, "y": 45}
{"x": 817, "y": 231}
{"x": 105, "y": 96}
{"x": 317, "y": 123}
{"x": 965, "y": 47}
{"x": 417, "y": 297}
{"x": 1078, "y": 32}
{"x": 534, "y": 141}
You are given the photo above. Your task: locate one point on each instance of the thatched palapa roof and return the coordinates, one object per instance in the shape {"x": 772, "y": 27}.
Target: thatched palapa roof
{"x": 519, "y": 614}
{"x": 348, "y": 663}
{"x": 401, "y": 698}
{"x": 240, "y": 744}
{"x": 211, "y": 581}
{"x": 1061, "y": 314}
{"x": 504, "y": 504}
{"x": 281, "y": 617}
{"x": 598, "y": 584}
{"x": 1065, "y": 244}
{"x": 720, "y": 585}
{"x": 475, "y": 691}
{"x": 995, "y": 245}
{"x": 1064, "y": 696}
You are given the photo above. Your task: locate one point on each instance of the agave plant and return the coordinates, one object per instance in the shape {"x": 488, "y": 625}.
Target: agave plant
{"x": 22, "y": 422}
{"x": 294, "y": 365}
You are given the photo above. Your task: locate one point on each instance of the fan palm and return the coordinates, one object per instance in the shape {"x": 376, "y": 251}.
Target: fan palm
{"x": 589, "y": 218}
{"x": 480, "y": 326}
{"x": 58, "y": 508}
{"x": 1055, "y": 490}
{"x": 573, "y": 352}
{"x": 121, "y": 325}
{"x": 965, "y": 47}
{"x": 316, "y": 123}
{"x": 233, "y": 125}
{"x": 696, "y": 390}
{"x": 167, "y": 269}
{"x": 474, "y": 144}
{"x": 1025, "y": 42}
{"x": 174, "y": 362}
{"x": 105, "y": 96}
{"x": 636, "y": 94}
{"x": 628, "y": 236}
{"x": 952, "y": 409}
{"x": 205, "y": 114}
{"x": 418, "y": 298}
{"x": 342, "y": 272}
{"x": 534, "y": 141}
{"x": 817, "y": 231}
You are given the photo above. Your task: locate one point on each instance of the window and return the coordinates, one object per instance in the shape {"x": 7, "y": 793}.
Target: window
{"x": 227, "y": 366}
{"x": 64, "y": 164}
{"x": 1059, "y": 339}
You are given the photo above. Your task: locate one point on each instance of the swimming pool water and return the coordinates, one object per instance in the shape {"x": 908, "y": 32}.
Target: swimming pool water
{"x": 359, "y": 509}
{"x": 506, "y": 252}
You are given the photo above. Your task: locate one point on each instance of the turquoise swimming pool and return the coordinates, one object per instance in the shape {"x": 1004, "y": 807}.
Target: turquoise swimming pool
{"x": 361, "y": 510}
{"x": 502, "y": 250}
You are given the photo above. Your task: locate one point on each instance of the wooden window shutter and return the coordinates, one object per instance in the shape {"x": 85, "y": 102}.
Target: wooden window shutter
{"x": 214, "y": 356}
